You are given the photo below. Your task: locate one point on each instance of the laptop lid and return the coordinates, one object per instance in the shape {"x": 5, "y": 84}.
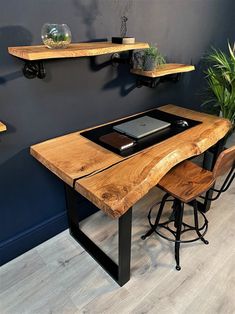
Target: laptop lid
{"x": 141, "y": 127}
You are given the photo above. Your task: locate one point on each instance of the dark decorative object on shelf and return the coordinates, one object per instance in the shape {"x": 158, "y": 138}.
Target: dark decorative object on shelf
{"x": 123, "y": 31}
{"x": 56, "y": 36}
{"x": 123, "y": 40}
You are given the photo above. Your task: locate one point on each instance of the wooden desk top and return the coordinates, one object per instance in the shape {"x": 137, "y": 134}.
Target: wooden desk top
{"x": 114, "y": 183}
{"x": 2, "y": 127}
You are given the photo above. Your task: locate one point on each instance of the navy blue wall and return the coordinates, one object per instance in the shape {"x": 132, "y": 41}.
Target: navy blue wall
{"x": 76, "y": 94}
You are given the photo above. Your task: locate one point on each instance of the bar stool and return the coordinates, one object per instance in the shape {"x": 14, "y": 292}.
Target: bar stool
{"x": 185, "y": 182}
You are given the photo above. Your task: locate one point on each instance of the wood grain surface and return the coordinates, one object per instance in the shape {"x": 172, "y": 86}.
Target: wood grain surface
{"x": 41, "y": 52}
{"x": 119, "y": 187}
{"x": 2, "y": 127}
{"x": 73, "y": 156}
{"x": 187, "y": 181}
{"x": 165, "y": 69}
{"x": 114, "y": 183}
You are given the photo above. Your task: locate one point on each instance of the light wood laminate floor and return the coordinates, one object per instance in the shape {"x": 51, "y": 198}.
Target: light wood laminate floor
{"x": 58, "y": 276}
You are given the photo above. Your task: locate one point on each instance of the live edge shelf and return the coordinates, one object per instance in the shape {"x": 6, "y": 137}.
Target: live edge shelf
{"x": 73, "y": 51}
{"x": 2, "y": 127}
{"x": 164, "y": 72}
{"x": 165, "y": 69}
{"x": 34, "y": 55}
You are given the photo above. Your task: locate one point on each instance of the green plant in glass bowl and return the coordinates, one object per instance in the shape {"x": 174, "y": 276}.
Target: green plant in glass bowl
{"x": 56, "y": 36}
{"x": 152, "y": 58}
{"x": 220, "y": 77}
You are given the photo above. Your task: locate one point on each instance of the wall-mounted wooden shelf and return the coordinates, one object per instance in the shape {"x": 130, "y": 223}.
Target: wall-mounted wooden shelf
{"x": 73, "y": 51}
{"x": 2, "y": 127}
{"x": 164, "y": 72}
{"x": 165, "y": 69}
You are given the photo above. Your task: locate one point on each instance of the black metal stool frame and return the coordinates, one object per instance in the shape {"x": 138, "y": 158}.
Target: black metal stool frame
{"x": 177, "y": 217}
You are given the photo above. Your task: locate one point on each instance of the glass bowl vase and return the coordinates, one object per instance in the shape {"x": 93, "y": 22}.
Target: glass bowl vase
{"x": 56, "y": 36}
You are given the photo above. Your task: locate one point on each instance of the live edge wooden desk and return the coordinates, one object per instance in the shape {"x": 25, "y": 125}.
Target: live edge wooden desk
{"x": 114, "y": 183}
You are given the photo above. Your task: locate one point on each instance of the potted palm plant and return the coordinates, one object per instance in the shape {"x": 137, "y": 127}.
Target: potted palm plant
{"x": 220, "y": 77}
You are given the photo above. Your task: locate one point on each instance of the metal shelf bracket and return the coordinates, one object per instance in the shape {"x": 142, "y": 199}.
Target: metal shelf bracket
{"x": 121, "y": 58}
{"x": 153, "y": 82}
{"x": 33, "y": 69}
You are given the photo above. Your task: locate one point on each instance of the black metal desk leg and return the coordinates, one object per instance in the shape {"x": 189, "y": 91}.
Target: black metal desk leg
{"x": 208, "y": 163}
{"x": 124, "y": 244}
{"x": 71, "y": 205}
{"x": 121, "y": 272}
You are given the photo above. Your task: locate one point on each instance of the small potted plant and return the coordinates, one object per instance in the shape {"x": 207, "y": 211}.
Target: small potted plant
{"x": 152, "y": 58}
{"x": 220, "y": 77}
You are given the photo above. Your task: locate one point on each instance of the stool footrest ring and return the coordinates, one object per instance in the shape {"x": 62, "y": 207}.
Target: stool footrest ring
{"x": 186, "y": 227}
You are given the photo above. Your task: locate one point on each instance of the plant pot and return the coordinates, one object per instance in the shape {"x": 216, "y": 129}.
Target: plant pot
{"x": 149, "y": 63}
{"x": 138, "y": 60}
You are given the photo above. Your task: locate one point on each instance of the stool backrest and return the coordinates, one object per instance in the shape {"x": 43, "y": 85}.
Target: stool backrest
{"x": 224, "y": 162}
